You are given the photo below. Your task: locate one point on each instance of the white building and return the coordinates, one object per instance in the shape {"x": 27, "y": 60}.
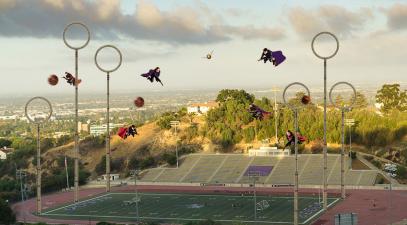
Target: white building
{"x": 113, "y": 176}
{"x": 4, "y": 152}
{"x": 202, "y": 108}
{"x": 14, "y": 117}
{"x": 97, "y": 130}
{"x": 269, "y": 151}
{"x": 83, "y": 127}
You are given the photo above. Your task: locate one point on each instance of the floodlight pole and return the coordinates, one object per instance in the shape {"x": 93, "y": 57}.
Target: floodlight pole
{"x": 254, "y": 177}
{"x": 175, "y": 124}
{"x": 275, "y": 113}
{"x": 255, "y": 198}
{"x": 135, "y": 173}
{"x": 176, "y": 145}
{"x": 19, "y": 175}
{"x": 343, "y": 195}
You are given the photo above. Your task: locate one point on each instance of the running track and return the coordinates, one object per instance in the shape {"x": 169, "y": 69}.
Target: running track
{"x": 357, "y": 201}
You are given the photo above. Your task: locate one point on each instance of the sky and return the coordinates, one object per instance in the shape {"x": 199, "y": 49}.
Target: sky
{"x": 176, "y": 35}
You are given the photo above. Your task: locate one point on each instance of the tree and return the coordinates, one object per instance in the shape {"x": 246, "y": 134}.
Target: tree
{"x": 239, "y": 95}
{"x": 361, "y": 101}
{"x": 170, "y": 158}
{"x": 6, "y": 214}
{"x": 5, "y": 142}
{"x": 391, "y": 97}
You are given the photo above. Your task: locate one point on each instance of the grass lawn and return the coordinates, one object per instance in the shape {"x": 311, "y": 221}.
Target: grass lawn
{"x": 180, "y": 208}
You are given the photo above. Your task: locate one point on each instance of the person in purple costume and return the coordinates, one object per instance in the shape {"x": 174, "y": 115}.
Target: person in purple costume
{"x": 275, "y": 57}
{"x": 153, "y": 74}
{"x": 258, "y": 112}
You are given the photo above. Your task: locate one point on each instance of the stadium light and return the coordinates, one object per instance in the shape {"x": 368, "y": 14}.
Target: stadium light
{"x": 254, "y": 176}
{"x": 108, "y": 71}
{"x": 38, "y": 121}
{"x": 175, "y": 124}
{"x": 76, "y": 135}
{"x": 343, "y": 108}
{"x": 295, "y": 109}
{"x": 135, "y": 173}
{"x": 325, "y": 150}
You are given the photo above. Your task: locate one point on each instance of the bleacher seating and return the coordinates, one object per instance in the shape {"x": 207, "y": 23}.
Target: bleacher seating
{"x": 230, "y": 168}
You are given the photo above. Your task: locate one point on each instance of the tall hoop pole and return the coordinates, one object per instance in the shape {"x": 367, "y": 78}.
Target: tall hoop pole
{"x": 325, "y": 149}
{"x": 76, "y": 135}
{"x": 38, "y": 167}
{"x": 296, "y": 182}
{"x": 108, "y": 71}
{"x": 343, "y": 110}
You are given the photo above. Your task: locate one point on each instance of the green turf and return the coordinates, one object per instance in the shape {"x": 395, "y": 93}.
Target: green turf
{"x": 179, "y": 208}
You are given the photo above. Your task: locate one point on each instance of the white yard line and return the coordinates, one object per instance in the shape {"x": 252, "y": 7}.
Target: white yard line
{"x": 320, "y": 211}
{"x": 167, "y": 218}
{"x": 63, "y": 207}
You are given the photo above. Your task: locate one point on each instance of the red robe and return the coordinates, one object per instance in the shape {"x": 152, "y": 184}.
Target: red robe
{"x": 122, "y": 132}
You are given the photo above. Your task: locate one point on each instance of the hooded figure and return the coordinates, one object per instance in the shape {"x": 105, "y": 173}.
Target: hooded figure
{"x": 122, "y": 132}
{"x": 275, "y": 57}
{"x": 71, "y": 79}
{"x": 258, "y": 112}
{"x": 132, "y": 130}
{"x": 291, "y": 139}
{"x": 153, "y": 74}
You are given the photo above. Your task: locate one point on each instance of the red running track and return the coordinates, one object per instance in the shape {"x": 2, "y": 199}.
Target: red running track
{"x": 357, "y": 201}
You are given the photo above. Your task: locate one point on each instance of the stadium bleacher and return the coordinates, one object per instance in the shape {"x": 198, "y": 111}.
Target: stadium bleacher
{"x": 231, "y": 168}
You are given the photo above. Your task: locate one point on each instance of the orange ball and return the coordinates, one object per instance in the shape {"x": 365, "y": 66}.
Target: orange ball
{"x": 53, "y": 80}
{"x": 139, "y": 102}
{"x": 305, "y": 99}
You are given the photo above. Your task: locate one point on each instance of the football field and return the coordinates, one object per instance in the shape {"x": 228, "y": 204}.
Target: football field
{"x": 180, "y": 208}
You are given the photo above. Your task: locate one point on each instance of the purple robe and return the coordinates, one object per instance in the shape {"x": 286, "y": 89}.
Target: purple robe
{"x": 278, "y": 57}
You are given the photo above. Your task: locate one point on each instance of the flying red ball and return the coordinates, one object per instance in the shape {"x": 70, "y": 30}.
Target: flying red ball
{"x": 305, "y": 99}
{"x": 53, "y": 80}
{"x": 139, "y": 102}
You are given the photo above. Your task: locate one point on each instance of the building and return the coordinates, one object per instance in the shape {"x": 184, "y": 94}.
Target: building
{"x": 202, "y": 108}
{"x": 269, "y": 151}
{"x": 83, "y": 127}
{"x": 113, "y": 176}
{"x": 97, "y": 130}
{"x": 14, "y": 117}
{"x": 4, "y": 152}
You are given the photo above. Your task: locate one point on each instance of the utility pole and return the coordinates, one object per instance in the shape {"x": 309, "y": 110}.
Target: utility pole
{"x": 174, "y": 124}
{"x": 254, "y": 176}
{"x": 135, "y": 174}
{"x": 275, "y": 90}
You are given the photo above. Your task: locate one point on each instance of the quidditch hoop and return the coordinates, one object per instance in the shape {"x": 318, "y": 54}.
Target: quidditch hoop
{"x": 96, "y": 58}
{"x": 87, "y": 31}
{"x": 325, "y": 57}
{"x": 292, "y": 84}
{"x": 48, "y": 116}
{"x": 353, "y": 99}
